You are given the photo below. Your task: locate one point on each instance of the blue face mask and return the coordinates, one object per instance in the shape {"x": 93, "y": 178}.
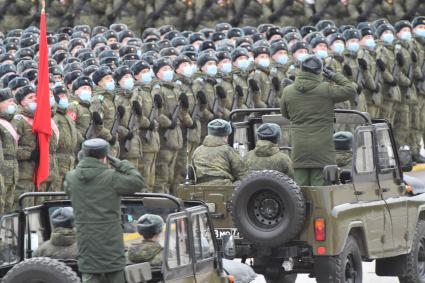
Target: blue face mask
{"x": 128, "y": 84}
{"x": 85, "y": 95}
{"x": 226, "y": 68}
{"x": 110, "y": 86}
{"x": 282, "y": 59}
{"x": 63, "y": 103}
{"x": 194, "y": 68}
{"x": 168, "y": 75}
{"x": 212, "y": 70}
{"x": 265, "y": 63}
{"x": 52, "y": 101}
{"x": 188, "y": 71}
{"x": 10, "y": 110}
{"x": 353, "y": 47}
{"x": 146, "y": 78}
{"x": 243, "y": 64}
{"x": 58, "y": 84}
{"x": 420, "y": 32}
{"x": 301, "y": 57}
{"x": 32, "y": 106}
{"x": 322, "y": 54}
{"x": 370, "y": 43}
{"x": 406, "y": 36}
{"x": 338, "y": 48}
{"x": 388, "y": 38}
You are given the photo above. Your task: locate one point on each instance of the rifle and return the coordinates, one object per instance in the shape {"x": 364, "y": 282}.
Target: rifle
{"x": 410, "y": 76}
{"x": 249, "y": 102}
{"x": 271, "y": 98}
{"x": 133, "y": 123}
{"x": 152, "y": 115}
{"x": 90, "y": 131}
{"x": 174, "y": 119}
{"x": 376, "y": 96}
{"x": 196, "y": 113}
{"x": 237, "y": 18}
{"x": 217, "y": 108}
{"x": 155, "y": 15}
{"x": 116, "y": 124}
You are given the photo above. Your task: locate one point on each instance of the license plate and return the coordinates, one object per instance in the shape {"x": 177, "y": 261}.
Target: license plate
{"x": 220, "y": 232}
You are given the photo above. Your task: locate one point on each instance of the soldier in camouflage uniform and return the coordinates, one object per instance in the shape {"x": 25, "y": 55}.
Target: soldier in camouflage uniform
{"x": 267, "y": 155}
{"x": 175, "y": 109}
{"x": 91, "y": 13}
{"x": 149, "y": 250}
{"x": 148, "y": 126}
{"x": 129, "y": 110}
{"x": 63, "y": 240}
{"x": 344, "y": 149}
{"x": 290, "y": 13}
{"x": 9, "y": 139}
{"x": 343, "y": 12}
{"x": 225, "y": 80}
{"x": 390, "y": 9}
{"x": 251, "y": 13}
{"x": 65, "y": 151}
{"x": 58, "y": 13}
{"x": 215, "y": 162}
{"x": 18, "y": 14}
{"x": 167, "y": 12}
{"x": 279, "y": 60}
{"x": 206, "y": 13}
{"x": 241, "y": 70}
{"x": 131, "y": 13}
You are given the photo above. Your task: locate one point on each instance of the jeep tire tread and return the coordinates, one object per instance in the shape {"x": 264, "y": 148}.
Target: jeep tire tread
{"x": 268, "y": 208}
{"x": 415, "y": 260}
{"x": 41, "y": 269}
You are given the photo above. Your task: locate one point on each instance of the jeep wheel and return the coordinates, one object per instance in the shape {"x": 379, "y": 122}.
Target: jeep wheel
{"x": 268, "y": 208}
{"x": 415, "y": 260}
{"x": 344, "y": 268}
{"x": 41, "y": 270}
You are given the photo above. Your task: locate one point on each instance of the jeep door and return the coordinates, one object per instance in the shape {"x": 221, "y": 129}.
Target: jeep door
{"x": 391, "y": 190}
{"x": 370, "y": 207}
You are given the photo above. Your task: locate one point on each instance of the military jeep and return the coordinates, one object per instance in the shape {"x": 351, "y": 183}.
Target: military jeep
{"x": 190, "y": 247}
{"x": 368, "y": 210}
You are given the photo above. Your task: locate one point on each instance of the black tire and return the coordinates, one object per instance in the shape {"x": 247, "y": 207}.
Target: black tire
{"x": 268, "y": 208}
{"x": 287, "y": 278}
{"x": 344, "y": 268}
{"x": 415, "y": 260}
{"x": 41, "y": 270}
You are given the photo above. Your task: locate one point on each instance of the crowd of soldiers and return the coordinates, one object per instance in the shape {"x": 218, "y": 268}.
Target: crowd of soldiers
{"x": 196, "y": 14}
{"x": 152, "y": 97}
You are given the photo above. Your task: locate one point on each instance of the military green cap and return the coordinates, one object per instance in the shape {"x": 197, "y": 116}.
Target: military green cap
{"x": 149, "y": 225}
{"x": 312, "y": 64}
{"x": 219, "y": 128}
{"x": 96, "y": 148}
{"x": 343, "y": 140}
{"x": 270, "y": 132}
{"x": 63, "y": 217}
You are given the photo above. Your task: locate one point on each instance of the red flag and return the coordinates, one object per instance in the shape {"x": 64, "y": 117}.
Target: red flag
{"x": 42, "y": 123}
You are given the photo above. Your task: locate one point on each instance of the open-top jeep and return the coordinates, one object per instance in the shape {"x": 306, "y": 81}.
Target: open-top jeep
{"x": 190, "y": 247}
{"x": 367, "y": 211}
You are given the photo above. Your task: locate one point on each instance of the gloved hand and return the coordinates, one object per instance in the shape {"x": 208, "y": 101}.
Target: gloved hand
{"x": 239, "y": 91}
{"x": 253, "y": 85}
{"x": 115, "y": 162}
{"x": 97, "y": 119}
{"x": 276, "y": 84}
{"x": 121, "y": 111}
{"x": 400, "y": 59}
{"x": 211, "y": 80}
{"x": 173, "y": 125}
{"x": 184, "y": 100}
{"x": 129, "y": 136}
{"x": 286, "y": 82}
{"x": 380, "y": 64}
{"x": 112, "y": 141}
{"x": 393, "y": 83}
{"x": 328, "y": 73}
{"x": 157, "y": 99}
{"x": 414, "y": 56}
{"x": 348, "y": 72}
{"x": 137, "y": 108}
{"x": 362, "y": 63}
{"x": 219, "y": 90}
{"x": 202, "y": 97}
{"x": 35, "y": 155}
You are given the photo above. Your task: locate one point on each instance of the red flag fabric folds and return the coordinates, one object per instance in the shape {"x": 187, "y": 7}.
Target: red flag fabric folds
{"x": 42, "y": 123}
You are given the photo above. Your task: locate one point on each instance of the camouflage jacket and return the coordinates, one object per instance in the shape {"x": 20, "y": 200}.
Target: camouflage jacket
{"x": 146, "y": 251}
{"x": 62, "y": 245}
{"x": 9, "y": 169}
{"x": 267, "y": 156}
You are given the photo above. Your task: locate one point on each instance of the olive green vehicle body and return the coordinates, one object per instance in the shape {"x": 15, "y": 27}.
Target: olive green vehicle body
{"x": 376, "y": 206}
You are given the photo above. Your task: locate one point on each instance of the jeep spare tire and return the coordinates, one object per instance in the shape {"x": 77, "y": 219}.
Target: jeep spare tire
{"x": 268, "y": 208}
{"x": 41, "y": 270}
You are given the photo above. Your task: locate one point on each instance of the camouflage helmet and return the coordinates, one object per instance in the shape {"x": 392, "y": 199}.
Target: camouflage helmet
{"x": 149, "y": 225}
{"x": 63, "y": 217}
{"x": 219, "y": 128}
{"x": 343, "y": 140}
{"x": 270, "y": 132}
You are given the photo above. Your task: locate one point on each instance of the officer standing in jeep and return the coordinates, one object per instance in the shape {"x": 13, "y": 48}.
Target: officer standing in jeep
{"x": 309, "y": 105}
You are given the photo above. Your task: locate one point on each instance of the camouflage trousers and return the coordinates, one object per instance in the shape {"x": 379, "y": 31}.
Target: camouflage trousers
{"x": 416, "y": 125}
{"x": 147, "y": 168}
{"x": 111, "y": 277}
{"x": 24, "y": 186}
{"x": 309, "y": 176}
{"x": 164, "y": 170}
{"x": 8, "y": 198}
{"x": 388, "y": 110}
{"x": 66, "y": 162}
{"x": 402, "y": 123}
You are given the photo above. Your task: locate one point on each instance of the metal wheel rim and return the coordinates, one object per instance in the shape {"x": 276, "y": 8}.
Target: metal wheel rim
{"x": 267, "y": 209}
{"x": 350, "y": 270}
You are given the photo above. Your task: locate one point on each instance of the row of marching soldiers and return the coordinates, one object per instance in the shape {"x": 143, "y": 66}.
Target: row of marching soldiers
{"x": 152, "y": 102}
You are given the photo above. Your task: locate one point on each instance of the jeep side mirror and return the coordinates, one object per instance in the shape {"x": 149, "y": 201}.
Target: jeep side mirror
{"x": 331, "y": 174}
{"x": 228, "y": 247}
{"x": 405, "y": 155}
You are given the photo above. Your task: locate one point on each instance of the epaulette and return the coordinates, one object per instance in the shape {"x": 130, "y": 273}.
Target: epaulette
{"x": 157, "y": 86}
{"x": 18, "y": 117}
{"x": 178, "y": 82}
{"x": 100, "y": 97}
{"x": 199, "y": 79}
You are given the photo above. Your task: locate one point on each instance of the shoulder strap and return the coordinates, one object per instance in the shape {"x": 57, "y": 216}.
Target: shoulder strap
{"x": 8, "y": 126}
